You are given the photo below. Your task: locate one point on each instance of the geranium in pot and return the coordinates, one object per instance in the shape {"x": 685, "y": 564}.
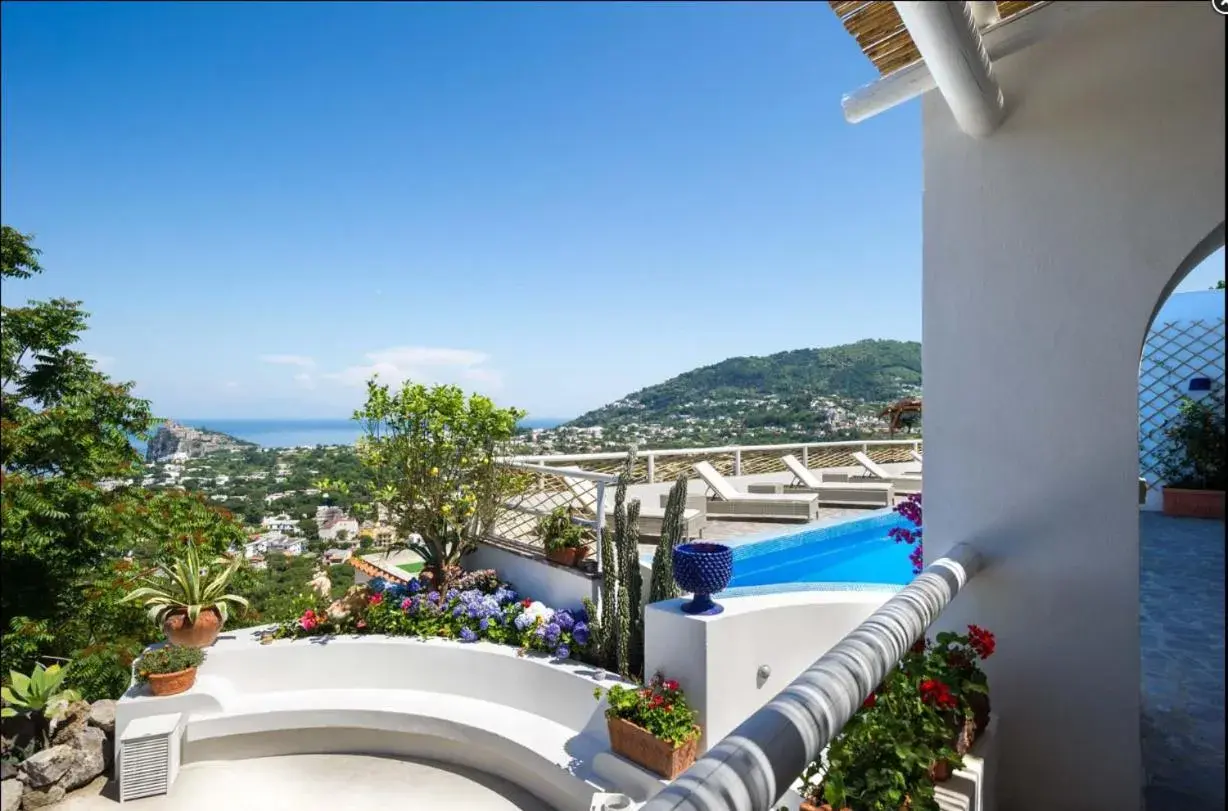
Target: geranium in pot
{"x": 652, "y": 726}
{"x": 1192, "y": 459}
{"x": 884, "y": 758}
{"x": 189, "y": 599}
{"x": 169, "y": 670}
{"x": 954, "y": 660}
{"x": 562, "y": 539}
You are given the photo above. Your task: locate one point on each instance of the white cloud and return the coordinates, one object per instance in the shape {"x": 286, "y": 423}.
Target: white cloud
{"x": 422, "y": 364}
{"x": 231, "y": 384}
{"x": 101, "y": 362}
{"x": 290, "y": 360}
{"x": 305, "y": 380}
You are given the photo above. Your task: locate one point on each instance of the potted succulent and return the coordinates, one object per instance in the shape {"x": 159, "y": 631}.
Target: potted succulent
{"x": 169, "y": 670}
{"x": 562, "y": 539}
{"x": 1192, "y": 461}
{"x": 188, "y": 598}
{"x": 652, "y": 726}
{"x": 703, "y": 569}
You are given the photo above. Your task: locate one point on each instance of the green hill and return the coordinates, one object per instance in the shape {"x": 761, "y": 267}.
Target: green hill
{"x": 830, "y": 390}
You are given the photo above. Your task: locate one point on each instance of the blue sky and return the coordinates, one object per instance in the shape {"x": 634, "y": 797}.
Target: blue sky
{"x": 555, "y": 204}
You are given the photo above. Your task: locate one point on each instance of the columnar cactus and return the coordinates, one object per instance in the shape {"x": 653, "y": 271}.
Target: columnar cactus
{"x": 634, "y": 582}
{"x": 610, "y": 565}
{"x": 662, "y": 585}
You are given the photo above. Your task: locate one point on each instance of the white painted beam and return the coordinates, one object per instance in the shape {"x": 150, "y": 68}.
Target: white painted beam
{"x": 948, "y": 41}
{"x": 1001, "y": 39}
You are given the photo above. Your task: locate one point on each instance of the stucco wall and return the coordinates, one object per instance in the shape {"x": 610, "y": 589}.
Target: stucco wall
{"x": 716, "y": 659}
{"x": 1046, "y": 250}
{"x": 556, "y": 586}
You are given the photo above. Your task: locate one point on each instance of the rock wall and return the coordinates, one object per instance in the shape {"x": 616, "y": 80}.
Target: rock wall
{"x": 81, "y": 751}
{"x": 172, "y": 438}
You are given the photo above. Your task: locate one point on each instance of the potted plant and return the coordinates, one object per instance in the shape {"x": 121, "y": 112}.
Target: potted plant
{"x": 885, "y": 756}
{"x": 1192, "y": 461}
{"x": 702, "y": 569}
{"x": 562, "y": 539}
{"x": 188, "y": 599}
{"x": 38, "y": 698}
{"x": 169, "y": 670}
{"x": 954, "y": 660}
{"x": 652, "y": 726}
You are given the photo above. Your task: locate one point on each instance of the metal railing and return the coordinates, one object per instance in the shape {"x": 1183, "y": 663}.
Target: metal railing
{"x": 653, "y": 466}
{"x": 582, "y": 491}
{"x": 753, "y": 767}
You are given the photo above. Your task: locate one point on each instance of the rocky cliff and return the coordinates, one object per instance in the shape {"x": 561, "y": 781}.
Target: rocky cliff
{"x": 172, "y": 438}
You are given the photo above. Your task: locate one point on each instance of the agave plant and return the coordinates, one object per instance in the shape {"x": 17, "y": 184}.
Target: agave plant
{"x": 187, "y": 586}
{"x": 38, "y": 697}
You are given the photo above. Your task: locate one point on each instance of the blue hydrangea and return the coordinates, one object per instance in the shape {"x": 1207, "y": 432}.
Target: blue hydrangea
{"x": 483, "y": 624}
{"x": 459, "y": 611}
{"x": 433, "y": 596}
{"x": 523, "y": 622}
{"x": 452, "y": 594}
{"x": 415, "y": 586}
{"x": 377, "y": 584}
{"x": 580, "y": 633}
{"x": 552, "y": 632}
{"x": 580, "y": 615}
{"x": 564, "y": 620}
{"x": 467, "y": 635}
{"x": 562, "y": 651}
{"x": 504, "y": 595}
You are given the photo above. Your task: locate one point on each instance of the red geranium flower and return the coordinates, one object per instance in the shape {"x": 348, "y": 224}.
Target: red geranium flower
{"x": 981, "y": 641}
{"x": 870, "y": 701}
{"x": 936, "y": 693}
{"x": 376, "y": 599}
{"x": 671, "y": 685}
{"x": 526, "y": 603}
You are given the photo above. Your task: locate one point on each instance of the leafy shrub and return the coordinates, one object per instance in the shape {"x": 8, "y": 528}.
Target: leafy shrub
{"x": 40, "y": 696}
{"x": 168, "y": 659}
{"x": 659, "y": 707}
{"x": 557, "y": 532}
{"x": 1193, "y": 458}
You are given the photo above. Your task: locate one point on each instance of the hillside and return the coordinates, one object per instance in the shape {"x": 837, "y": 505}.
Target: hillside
{"x": 834, "y": 392}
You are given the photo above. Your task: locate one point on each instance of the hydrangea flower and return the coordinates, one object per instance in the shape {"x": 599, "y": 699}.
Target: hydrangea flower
{"x": 467, "y": 635}
{"x": 580, "y": 633}
{"x": 564, "y": 620}
{"x": 562, "y": 651}
{"x": 524, "y": 622}
{"x": 580, "y": 615}
{"x": 504, "y": 595}
{"x": 551, "y": 632}
{"x": 483, "y": 624}
{"x": 377, "y": 584}
{"x": 415, "y": 586}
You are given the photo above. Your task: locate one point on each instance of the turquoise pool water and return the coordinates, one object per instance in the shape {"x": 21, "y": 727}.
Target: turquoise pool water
{"x": 856, "y": 551}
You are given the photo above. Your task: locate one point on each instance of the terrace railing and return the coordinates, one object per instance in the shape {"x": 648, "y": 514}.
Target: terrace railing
{"x": 584, "y": 492}
{"x": 753, "y": 767}
{"x": 733, "y": 460}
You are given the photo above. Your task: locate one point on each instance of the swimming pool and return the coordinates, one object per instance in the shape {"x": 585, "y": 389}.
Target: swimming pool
{"x": 856, "y": 551}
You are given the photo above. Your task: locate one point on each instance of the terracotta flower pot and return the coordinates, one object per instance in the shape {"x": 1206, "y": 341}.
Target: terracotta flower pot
{"x": 170, "y": 684}
{"x": 581, "y": 554}
{"x": 199, "y": 634}
{"x": 940, "y": 771}
{"x": 657, "y": 756}
{"x": 1181, "y": 503}
{"x": 563, "y": 557}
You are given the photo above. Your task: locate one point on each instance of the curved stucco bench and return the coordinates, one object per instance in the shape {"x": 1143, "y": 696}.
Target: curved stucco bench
{"x": 526, "y": 719}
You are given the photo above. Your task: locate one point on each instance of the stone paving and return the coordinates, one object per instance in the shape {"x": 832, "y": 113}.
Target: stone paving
{"x": 1181, "y": 619}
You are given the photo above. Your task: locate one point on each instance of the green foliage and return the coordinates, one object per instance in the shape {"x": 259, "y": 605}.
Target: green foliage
{"x": 633, "y": 582}
{"x": 64, "y": 427}
{"x": 1219, "y": 285}
{"x": 168, "y": 659}
{"x": 1193, "y": 457}
{"x": 556, "y": 531}
{"x": 660, "y": 708}
{"x": 432, "y": 452}
{"x": 40, "y": 696}
{"x": 662, "y": 585}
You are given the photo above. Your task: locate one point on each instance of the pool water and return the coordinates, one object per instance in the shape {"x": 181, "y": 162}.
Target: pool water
{"x": 857, "y": 551}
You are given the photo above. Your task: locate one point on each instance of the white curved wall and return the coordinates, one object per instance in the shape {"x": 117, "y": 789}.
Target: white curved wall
{"x": 524, "y": 718}
{"x": 1047, "y": 247}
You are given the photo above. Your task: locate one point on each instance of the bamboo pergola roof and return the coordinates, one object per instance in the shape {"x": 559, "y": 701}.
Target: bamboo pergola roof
{"x": 882, "y": 36}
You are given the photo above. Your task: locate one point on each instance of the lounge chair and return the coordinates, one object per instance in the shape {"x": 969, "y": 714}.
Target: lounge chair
{"x": 874, "y": 472}
{"x": 730, "y": 503}
{"x": 916, "y": 457}
{"x": 694, "y": 518}
{"x": 838, "y": 494}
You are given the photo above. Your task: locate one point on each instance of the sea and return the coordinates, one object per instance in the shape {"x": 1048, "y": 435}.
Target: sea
{"x": 274, "y": 433}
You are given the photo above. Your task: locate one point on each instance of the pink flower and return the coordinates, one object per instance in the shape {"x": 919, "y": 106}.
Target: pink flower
{"x": 376, "y": 599}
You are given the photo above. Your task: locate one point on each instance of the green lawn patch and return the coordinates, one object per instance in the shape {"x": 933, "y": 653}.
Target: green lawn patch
{"x": 410, "y": 568}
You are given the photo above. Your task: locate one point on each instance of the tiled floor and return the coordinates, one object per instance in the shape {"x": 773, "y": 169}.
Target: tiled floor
{"x": 1182, "y": 634}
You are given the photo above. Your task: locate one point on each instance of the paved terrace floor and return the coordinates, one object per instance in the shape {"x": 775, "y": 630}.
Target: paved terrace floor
{"x": 323, "y": 783}
{"x": 1181, "y": 618}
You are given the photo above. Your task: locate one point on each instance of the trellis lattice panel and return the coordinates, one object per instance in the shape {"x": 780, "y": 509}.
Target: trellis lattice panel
{"x": 516, "y": 523}
{"x": 1174, "y": 353}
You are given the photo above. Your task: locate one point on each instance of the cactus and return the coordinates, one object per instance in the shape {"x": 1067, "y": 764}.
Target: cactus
{"x": 662, "y": 585}
{"x": 634, "y": 582}
{"x": 611, "y": 562}
{"x": 596, "y": 634}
